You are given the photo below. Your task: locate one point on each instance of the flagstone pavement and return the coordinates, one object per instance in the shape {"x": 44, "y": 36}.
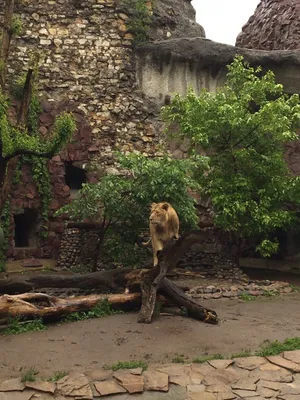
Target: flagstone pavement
{"x": 248, "y": 378}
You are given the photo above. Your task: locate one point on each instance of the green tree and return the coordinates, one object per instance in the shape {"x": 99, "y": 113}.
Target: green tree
{"x": 121, "y": 202}
{"x": 243, "y": 128}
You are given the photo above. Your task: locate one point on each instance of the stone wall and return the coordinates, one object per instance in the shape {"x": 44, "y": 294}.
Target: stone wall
{"x": 91, "y": 68}
{"x": 77, "y": 248}
{"x": 275, "y": 25}
{"x": 170, "y": 66}
{"x": 88, "y": 68}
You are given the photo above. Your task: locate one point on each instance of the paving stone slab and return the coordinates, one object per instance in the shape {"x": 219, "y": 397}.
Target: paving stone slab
{"x": 203, "y": 369}
{"x": 195, "y": 377}
{"x": 132, "y": 383}
{"x": 98, "y": 375}
{"x": 178, "y": 374}
{"x": 245, "y": 384}
{"x": 281, "y": 375}
{"x": 42, "y": 386}
{"x": 288, "y": 397}
{"x": 12, "y": 384}
{"x": 155, "y": 380}
{"x": 254, "y": 398}
{"x": 269, "y": 367}
{"x": 109, "y": 387}
{"x": 46, "y": 396}
{"x": 201, "y": 396}
{"x": 221, "y": 388}
{"x": 282, "y": 362}
{"x": 226, "y": 396}
{"x": 175, "y": 393}
{"x": 25, "y": 395}
{"x": 220, "y": 376}
{"x": 292, "y": 356}
{"x": 291, "y": 388}
{"x": 136, "y": 371}
{"x": 271, "y": 385}
{"x": 245, "y": 393}
{"x": 195, "y": 389}
{"x": 220, "y": 364}
{"x": 266, "y": 393}
{"x": 75, "y": 385}
{"x": 174, "y": 369}
{"x": 249, "y": 363}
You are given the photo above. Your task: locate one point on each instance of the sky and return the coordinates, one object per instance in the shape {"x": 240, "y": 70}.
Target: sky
{"x": 223, "y": 20}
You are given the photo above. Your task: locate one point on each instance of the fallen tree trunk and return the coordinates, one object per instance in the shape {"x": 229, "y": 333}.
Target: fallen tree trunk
{"x": 49, "y": 308}
{"x": 151, "y": 282}
{"x": 104, "y": 281}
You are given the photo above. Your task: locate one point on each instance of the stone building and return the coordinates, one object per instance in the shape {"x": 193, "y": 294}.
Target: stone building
{"x": 114, "y": 90}
{"x": 88, "y": 68}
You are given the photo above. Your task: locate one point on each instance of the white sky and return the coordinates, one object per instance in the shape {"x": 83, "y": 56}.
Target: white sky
{"x": 223, "y": 20}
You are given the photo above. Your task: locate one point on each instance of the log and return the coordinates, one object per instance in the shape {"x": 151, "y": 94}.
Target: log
{"x": 193, "y": 309}
{"x": 50, "y": 308}
{"x": 155, "y": 281}
{"x": 104, "y": 281}
{"x": 151, "y": 282}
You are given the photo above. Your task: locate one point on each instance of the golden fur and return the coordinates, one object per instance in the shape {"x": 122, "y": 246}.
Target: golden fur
{"x": 164, "y": 225}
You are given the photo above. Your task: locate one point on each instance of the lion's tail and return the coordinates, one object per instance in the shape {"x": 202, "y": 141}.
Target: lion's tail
{"x": 146, "y": 243}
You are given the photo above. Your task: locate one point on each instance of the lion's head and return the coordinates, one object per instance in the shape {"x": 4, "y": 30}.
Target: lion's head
{"x": 159, "y": 213}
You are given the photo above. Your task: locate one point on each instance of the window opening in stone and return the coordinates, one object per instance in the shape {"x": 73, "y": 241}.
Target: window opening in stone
{"x": 26, "y": 228}
{"x": 75, "y": 177}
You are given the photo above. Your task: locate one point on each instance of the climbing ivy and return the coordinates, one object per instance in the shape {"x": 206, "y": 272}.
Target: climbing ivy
{"x": 40, "y": 172}
{"x": 5, "y": 224}
{"x": 41, "y": 177}
{"x": 139, "y": 20}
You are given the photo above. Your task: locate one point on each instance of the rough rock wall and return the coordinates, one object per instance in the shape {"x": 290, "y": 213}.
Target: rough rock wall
{"x": 174, "y": 19}
{"x": 174, "y": 65}
{"x": 88, "y": 68}
{"x": 275, "y": 25}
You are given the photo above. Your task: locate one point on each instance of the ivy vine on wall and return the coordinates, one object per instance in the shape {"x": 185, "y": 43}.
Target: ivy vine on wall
{"x": 5, "y": 225}
{"x": 40, "y": 172}
{"x": 139, "y": 19}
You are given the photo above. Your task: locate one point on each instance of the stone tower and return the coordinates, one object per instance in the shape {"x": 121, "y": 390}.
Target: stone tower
{"x": 275, "y": 25}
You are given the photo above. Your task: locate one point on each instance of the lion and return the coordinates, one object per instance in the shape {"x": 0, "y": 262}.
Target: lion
{"x": 164, "y": 225}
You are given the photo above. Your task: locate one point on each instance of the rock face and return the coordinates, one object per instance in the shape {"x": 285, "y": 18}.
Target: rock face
{"x": 174, "y": 19}
{"x": 275, "y": 25}
{"x": 91, "y": 72}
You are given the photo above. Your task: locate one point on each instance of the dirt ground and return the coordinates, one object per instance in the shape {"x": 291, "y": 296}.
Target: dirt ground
{"x": 91, "y": 344}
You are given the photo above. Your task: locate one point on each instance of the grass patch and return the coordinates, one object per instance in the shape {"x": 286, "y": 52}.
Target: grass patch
{"x": 127, "y": 365}
{"x": 247, "y": 297}
{"x": 29, "y": 375}
{"x": 203, "y": 359}
{"x": 268, "y": 348}
{"x": 271, "y": 293}
{"x": 178, "y": 360}
{"x": 57, "y": 376}
{"x": 243, "y": 353}
{"x": 274, "y": 348}
{"x": 100, "y": 310}
{"x": 295, "y": 288}
{"x": 16, "y": 326}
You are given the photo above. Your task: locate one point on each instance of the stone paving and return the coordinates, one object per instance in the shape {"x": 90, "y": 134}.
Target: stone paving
{"x": 248, "y": 378}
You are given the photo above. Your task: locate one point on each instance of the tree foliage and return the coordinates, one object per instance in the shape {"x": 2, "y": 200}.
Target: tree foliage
{"x": 122, "y": 202}
{"x": 243, "y": 127}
